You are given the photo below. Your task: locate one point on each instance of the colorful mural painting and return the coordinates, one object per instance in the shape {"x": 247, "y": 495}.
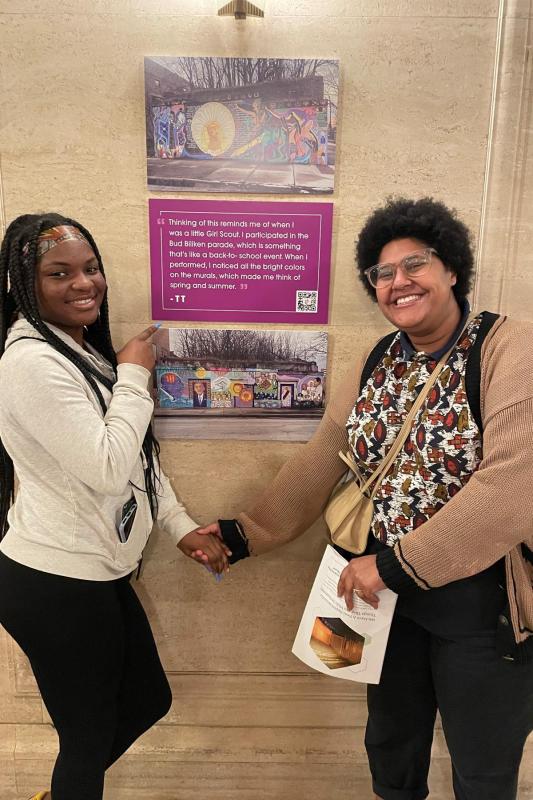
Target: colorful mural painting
{"x": 249, "y": 125}
{"x": 178, "y": 387}
{"x": 246, "y": 131}
{"x": 242, "y": 382}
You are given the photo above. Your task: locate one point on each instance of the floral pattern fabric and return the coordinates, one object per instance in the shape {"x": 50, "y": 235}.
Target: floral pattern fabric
{"x": 442, "y": 450}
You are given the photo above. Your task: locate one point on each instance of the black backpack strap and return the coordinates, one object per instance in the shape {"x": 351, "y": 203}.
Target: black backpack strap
{"x": 473, "y": 367}
{"x": 375, "y": 356}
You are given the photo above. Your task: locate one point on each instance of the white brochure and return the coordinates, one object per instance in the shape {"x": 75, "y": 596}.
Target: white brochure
{"x": 335, "y": 641}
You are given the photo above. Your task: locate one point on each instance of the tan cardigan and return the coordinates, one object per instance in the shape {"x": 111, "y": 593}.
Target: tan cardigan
{"x": 487, "y": 520}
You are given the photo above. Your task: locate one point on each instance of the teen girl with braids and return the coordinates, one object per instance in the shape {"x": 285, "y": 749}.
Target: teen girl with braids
{"x": 75, "y": 426}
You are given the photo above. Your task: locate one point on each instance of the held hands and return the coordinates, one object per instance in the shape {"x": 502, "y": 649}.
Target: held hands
{"x": 204, "y": 546}
{"x": 360, "y": 578}
{"x": 210, "y": 530}
{"x": 139, "y": 350}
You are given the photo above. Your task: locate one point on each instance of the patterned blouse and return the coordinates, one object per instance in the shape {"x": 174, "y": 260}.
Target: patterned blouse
{"x": 443, "y": 448}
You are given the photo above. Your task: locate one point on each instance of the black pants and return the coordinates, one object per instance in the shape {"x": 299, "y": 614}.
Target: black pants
{"x": 96, "y": 664}
{"x": 441, "y": 655}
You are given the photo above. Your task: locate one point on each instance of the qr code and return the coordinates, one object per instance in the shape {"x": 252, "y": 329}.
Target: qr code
{"x": 307, "y": 302}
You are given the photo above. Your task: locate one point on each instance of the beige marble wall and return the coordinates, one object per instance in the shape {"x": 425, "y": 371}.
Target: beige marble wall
{"x": 417, "y": 116}
{"x": 505, "y": 274}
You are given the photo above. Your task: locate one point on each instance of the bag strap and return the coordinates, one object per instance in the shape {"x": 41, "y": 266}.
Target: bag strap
{"x": 376, "y": 476}
{"x": 473, "y": 367}
{"x": 398, "y": 443}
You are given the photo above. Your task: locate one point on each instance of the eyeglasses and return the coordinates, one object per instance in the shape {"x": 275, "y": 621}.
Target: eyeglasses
{"x": 413, "y": 264}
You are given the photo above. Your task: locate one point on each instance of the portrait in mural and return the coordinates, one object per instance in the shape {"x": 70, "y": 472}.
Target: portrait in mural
{"x": 239, "y": 372}
{"x": 241, "y": 124}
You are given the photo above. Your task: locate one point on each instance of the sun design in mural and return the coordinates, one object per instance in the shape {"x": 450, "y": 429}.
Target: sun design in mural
{"x": 213, "y": 128}
{"x": 236, "y": 389}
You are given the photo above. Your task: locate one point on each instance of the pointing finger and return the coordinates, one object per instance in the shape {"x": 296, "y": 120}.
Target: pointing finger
{"x": 145, "y": 335}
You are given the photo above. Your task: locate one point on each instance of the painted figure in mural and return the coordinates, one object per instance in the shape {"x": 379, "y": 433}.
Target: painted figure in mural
{"x": 322, "y": 152}
{"x": 452, "y": 527}
{"x": 161, "y": 121}
{"x": 269, "y": 132}
{"x": 89, "y": 488}
{"x": 314, "y": 389}
{"x": 286, "y": 396}
{"x": 257, "y": 111}
{"x": 170, "y": 130}
{"x": 178, "y": 122}
{"x": 199, "y": 394}
{"x": 170, "y": 388}
{"x": 303, "y": 143}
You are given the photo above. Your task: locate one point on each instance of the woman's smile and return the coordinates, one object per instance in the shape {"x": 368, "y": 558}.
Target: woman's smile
{"x": 407, "y": 300}
{"x": 84, "y": 302}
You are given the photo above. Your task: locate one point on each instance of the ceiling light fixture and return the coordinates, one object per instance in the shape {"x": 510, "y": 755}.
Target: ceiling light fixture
{"x": 240, "y": 9}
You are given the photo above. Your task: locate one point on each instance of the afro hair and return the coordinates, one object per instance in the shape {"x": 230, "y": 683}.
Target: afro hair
{"x": 426, "y": 219}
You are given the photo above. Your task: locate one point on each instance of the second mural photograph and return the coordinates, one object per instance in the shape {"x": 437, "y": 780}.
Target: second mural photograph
{"x": 240, "y": 372}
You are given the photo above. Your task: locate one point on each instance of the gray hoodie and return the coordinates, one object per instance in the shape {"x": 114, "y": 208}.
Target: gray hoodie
{"x": 76, "y": 467}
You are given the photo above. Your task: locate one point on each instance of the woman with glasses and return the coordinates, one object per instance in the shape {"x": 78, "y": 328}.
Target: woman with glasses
{"x": 452, "y": 527}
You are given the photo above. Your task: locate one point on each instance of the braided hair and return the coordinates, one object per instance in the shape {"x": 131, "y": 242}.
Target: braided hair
{"x": 18, "y": 261}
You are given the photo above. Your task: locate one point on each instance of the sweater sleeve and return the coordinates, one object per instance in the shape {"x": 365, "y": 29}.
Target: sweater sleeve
{"x": 51, "y": 402}
{"x": 494, "y": 511}
{"x": 299, "y": 492}
{"x": 172, "y": 515}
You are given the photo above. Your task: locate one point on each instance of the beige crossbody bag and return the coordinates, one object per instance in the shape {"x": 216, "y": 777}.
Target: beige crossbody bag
{"x": 350, "y": 508}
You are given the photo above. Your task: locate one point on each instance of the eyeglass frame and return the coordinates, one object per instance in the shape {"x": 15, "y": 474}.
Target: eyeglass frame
{"x": 396, "y": 264}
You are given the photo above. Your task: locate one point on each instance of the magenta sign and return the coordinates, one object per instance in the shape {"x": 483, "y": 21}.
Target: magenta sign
{"x": 240, "y": 261}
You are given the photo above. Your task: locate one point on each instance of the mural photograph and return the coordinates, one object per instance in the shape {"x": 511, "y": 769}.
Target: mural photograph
{"x": 241, "y": 124}
{"x": 240, "y": 372}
